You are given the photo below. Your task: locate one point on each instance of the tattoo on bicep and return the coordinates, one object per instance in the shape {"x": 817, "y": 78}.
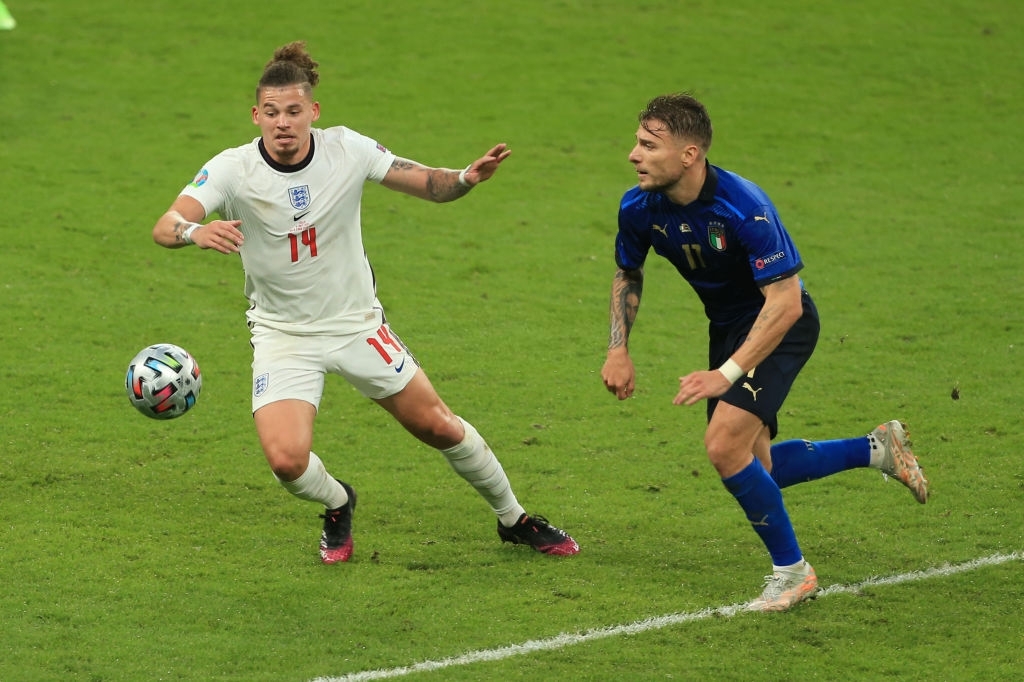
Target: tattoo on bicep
{"x": 403, "y": 164}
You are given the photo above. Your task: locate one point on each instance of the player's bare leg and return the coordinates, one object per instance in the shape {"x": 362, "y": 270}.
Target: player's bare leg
{"x": 285, "y": 429}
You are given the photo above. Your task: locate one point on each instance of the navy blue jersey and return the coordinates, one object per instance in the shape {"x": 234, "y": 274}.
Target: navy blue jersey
{"x": 726, "y": 244}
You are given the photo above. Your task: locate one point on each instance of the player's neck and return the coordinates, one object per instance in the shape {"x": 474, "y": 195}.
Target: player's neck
{"x": 288, "y": 162}
{"x": 688, "y": 188}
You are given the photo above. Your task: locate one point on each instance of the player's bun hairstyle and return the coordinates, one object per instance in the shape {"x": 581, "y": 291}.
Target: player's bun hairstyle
{"x": 291, "y": 65}
{"x": 683, "y": 115}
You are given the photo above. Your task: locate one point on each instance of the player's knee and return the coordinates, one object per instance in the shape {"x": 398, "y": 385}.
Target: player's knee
{"x": 440, "y": 430}
{"x": 721, "y": 453}
{"x": 286, "y": 464}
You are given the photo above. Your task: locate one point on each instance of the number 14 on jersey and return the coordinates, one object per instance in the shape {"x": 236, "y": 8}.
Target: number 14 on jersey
{"x": 306, "y": 238}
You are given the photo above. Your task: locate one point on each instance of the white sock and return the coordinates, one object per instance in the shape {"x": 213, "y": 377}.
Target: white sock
{"x": 798, "y": 567}
{"x": 877, "y": 452}
{"x": 316, "y": 485}
{"x": 473, "y": 460}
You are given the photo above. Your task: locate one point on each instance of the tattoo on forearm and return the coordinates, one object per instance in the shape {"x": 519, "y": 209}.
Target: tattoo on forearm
{"x": 770, "y": 326}
{"x": 762, "y": 319}
{"x": 443, "y": 185}
{"x": 625, "y": 302}
{"x": 179, "y": 230}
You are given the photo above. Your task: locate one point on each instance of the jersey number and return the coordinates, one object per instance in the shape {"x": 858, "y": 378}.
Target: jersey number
{"x": 384, "y": 338}
{"x": 308, "y": 238}
{"x": 694, "y": 257}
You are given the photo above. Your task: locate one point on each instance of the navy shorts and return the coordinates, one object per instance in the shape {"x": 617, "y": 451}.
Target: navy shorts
{"x": 764, "y": 389}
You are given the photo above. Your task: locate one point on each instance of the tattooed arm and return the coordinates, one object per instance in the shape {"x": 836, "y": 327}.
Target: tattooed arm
{"x": 782, "y": 307}
{"x": 181, "y": 226}
{"x": 618, "y": 372}
{"x": 442, "y": 184}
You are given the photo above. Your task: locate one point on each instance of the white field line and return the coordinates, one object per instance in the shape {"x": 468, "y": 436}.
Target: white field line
{"x": 654, "y": 623}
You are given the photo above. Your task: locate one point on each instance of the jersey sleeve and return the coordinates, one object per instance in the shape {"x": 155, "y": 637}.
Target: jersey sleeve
{"x": 633, "y": 240}
{"x": 214, "y": 184}
{"x": 375, "y": 157}
{"x": 771, "y": 252}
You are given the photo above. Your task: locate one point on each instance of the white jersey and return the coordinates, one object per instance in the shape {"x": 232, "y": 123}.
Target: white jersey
{"x": 305, "y": 268}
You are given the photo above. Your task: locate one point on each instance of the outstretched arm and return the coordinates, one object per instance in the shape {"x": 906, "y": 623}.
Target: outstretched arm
{"x": 443, "y": 184}
{"x": 618, "y": 372}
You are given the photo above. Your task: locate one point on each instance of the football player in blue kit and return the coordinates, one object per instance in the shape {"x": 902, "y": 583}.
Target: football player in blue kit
{"x": 724, "y": 236}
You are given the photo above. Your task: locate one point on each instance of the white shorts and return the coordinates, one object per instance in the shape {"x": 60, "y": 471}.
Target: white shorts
{"x": 290, "y": 366}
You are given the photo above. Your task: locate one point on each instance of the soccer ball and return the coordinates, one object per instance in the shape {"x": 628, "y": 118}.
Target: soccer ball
{"x": 163, "y": 381}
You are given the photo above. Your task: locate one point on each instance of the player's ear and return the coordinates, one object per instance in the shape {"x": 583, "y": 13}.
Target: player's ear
{"x": 255, "y": 115}
{"x": 690, "y": 155}
{"x": 316, "y": 111}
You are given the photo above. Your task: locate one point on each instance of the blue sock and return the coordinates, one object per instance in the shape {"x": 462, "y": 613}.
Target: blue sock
{"x": 797, "y": 461}
{"x": 761, "y": 500}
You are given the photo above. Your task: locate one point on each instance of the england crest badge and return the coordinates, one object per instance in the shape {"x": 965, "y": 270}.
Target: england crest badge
{"x": 299, "y": 197}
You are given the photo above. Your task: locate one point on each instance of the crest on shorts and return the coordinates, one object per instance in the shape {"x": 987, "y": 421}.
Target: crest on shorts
{"x": 259, "y": 385}
{"x": 716, "y": 235}
{"x": 299, "y": 197}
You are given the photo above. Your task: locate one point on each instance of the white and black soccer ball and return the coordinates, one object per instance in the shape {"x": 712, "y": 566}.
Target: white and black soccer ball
{"x": 163, "y": 381}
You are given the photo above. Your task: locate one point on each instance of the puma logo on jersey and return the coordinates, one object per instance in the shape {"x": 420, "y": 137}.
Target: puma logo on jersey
{"x": 753, "y": 391}
{"x": 762, "y": 217}
{"x": 659, "y": 228}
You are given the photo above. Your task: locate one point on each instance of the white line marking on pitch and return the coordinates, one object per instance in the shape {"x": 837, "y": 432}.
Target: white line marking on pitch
{"x": 655, "y": 623}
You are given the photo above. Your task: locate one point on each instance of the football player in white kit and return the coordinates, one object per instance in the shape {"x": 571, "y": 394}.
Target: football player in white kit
{"x": 289, "y": 203}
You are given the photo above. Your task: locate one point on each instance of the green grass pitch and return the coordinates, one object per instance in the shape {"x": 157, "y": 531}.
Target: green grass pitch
{"x": 888, "y": 135}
